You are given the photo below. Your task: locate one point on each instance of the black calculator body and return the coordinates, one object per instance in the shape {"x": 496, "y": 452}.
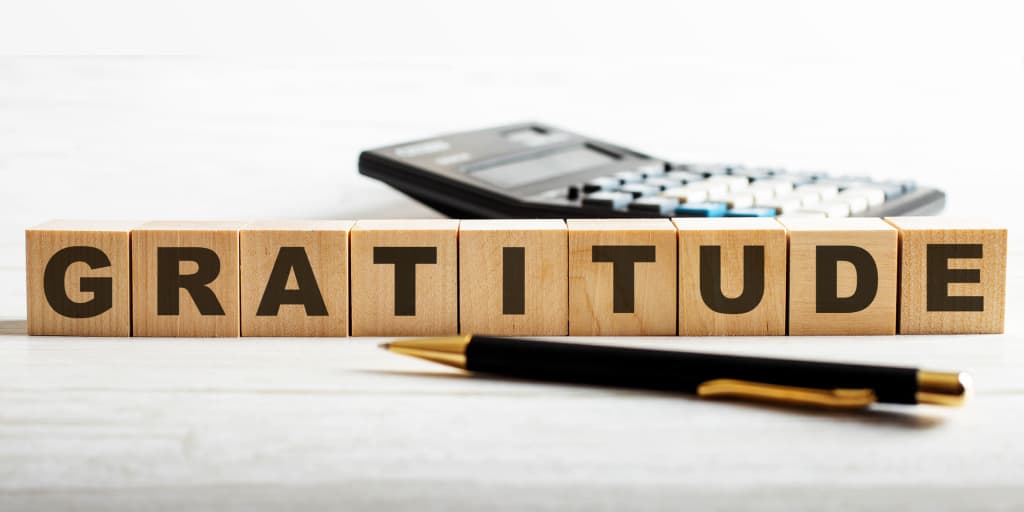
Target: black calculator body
{"x": 535, "y": 170}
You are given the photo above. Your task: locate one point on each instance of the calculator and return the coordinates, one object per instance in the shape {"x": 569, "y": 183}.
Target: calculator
{"x": 535, "y": 170}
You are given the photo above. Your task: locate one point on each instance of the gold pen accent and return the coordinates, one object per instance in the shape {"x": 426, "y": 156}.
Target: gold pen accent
{"x": 450, "y": 351}
{"x": 835, "y": 398}
{"x": 939, "y": 388}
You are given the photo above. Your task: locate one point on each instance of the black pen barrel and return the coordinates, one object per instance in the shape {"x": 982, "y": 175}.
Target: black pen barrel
{"x": 676, "y": 371}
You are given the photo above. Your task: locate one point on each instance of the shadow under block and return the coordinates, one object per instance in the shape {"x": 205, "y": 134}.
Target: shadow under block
{"x": 78, "y": 278}
{"x": 622, "y": 277}
{"x": 513, "y": 277}
{"x": 952, "y": 275}
{"x": 404, "y": 277}
{"x": 185, "y": 279}
{"x": 294, "y": 278}
{"x": 732, "y": 277}
{"x": 842, "y": 276}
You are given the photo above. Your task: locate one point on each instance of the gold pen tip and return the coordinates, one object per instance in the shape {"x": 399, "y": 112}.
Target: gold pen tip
{"x": 943, "y": 388}
{"x": 384, "y": 346}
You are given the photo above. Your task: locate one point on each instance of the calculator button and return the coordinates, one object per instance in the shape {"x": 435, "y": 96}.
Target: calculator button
{"x": 661, "y": 205}
{"x": 733, "y": 182}
{"x": 857, "y": 203}
{"x": 684, "y": 177}
{"x": 742, "y": 199}
{"x": 701, "y": 210}
{"x": 782, "y": 204}
{"x": 807, "y": 198}
{"x": 825, "y": 192}
{"x": 715, "y": 191}
{"x": 761, "y": 194}
{"x": 831, "y": 208}
{"x": 616, "y": 200}
{"x": 650, "y": 170}
{"x": 775, "y": 185}
{"x": 639, "y": 190}
{"x": 686, "y": 194}
{"x": 662, "y": 183}
{"x": 751, "y": 212}
{"x": 602, "y": 183}
{"x": 627, "y": 177}
{"x": 875, "y": 196}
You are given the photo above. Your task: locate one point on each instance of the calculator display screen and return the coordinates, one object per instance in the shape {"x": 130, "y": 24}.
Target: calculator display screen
{"x": 522, "y": 172}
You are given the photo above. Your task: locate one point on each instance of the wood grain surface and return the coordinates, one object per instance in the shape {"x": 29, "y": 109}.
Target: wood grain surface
{"x": 696, "y": 318}
{"x": 221, "y": 238}
{"x": 916, "y": 234}
{"x": 878, "y": 239}
{"x": 324, "y": 245}
{"x": 373, "y": 294}
{"x": 592, "y": 287}
{"x": 545, "y": 292}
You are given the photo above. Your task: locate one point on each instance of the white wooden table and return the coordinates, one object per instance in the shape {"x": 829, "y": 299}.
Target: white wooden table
{"x": 252, "y": 424}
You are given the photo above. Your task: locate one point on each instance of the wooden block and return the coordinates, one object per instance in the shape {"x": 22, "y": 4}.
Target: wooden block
{"x": 842, "y": 276}
{"x": 622, "y": 277}
{"x": 404, "y": 277}
{"x": 952, "y": 275}
{"x": 732, "y": 277}
{"x": 513, "y": 277}
{"x": 294, "y": 278}
{"x": 185, "y": 279}
{"x": 78, "y": 278}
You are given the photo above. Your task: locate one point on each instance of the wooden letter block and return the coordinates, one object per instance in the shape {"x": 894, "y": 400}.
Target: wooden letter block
{"x": 185, "y": 279}
{"x": 952, "y": 275}
{"x": 842, "y": 276}
{"x": 78, "y": 278}
{"x": 622, "y": 277}
{"x": 404, "y": 277}
{"x": 513, "y": 277}
{"x": 295, "y": 278}
{"x": 732, "y": 277}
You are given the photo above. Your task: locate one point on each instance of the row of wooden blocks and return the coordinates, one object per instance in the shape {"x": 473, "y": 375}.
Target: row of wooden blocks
{"x": 693, "y": 277}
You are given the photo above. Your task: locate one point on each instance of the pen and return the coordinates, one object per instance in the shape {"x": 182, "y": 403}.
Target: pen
{"x": 706, "y": 375}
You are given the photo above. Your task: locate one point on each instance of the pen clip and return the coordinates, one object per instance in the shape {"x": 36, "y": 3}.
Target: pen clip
{"x": 835, "y": 398}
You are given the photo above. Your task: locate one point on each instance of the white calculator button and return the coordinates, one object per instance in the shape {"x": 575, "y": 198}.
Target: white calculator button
{"x": 857, "y": 203}
{"x": 743, "y": 199}
{"x": 831, "y": 209}
{"x": 874, "y": 196}
{"x": 686, "y": 194}
{"x": 826, "y": 192}
{"x": 733, "y": 182}
{"x": 715, "y": 190}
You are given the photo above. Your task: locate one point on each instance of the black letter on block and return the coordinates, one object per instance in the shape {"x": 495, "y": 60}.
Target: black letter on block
{"x": 828, "y": 257}
{"x": 405, "y": 260}
{"x": 307, "y": 293}
{"x": 622, "y": 258}
{"x": 940, "y": 275}
{"x": 513, "y": 280}
{"x": 169, "y": 279}
{"x": 711, "y": 280}
{"x": 102, "y": 288}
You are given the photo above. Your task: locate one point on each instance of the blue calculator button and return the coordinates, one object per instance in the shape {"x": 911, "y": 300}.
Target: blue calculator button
{"x": 701, "y": 209}
{"x": 751, "y": 212}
